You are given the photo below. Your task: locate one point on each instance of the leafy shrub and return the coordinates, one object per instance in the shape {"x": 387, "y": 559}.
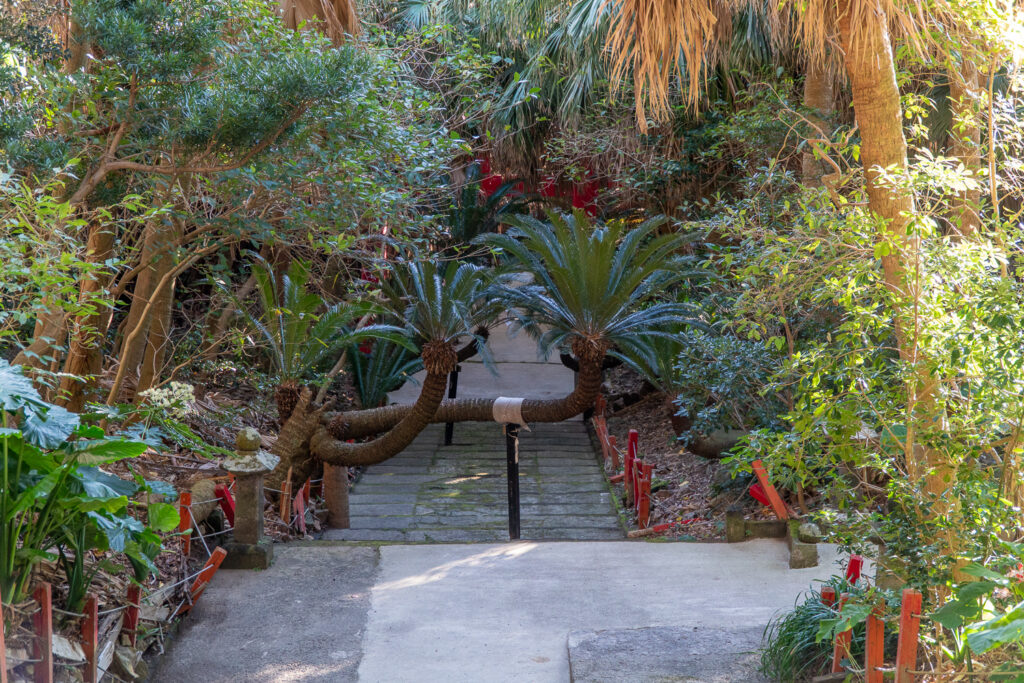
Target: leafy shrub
{"x": 57, "y": 504}
{"x": 722, "y": 382}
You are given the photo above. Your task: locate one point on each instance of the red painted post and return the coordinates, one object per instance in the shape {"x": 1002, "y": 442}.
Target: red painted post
{"x": 185, "y": 524}
{"x": 874, "y": 652}
{"x": 131, "y": 615}
{"x": 209, "y": 569}
{"x": 843, "y": 641}
{"x": 42, "y": 624}
{"x": 204, "y": 578}
{"x": 643, "y": 517}
{"x": 306, "y": 489}
{"x": 3, "y": 648}
{"x": 227, "y": 503}
{"x": 773, "y": 496}
{"x": 828, "y": 596}
{"x": 614, "y": 447}
{"x": 854, "y": 569}
{"x": 90, "y": 640}
{"x": 910, "y": 626}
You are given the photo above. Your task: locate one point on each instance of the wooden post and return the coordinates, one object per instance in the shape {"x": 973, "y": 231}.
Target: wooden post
{"x": 204, "y": 578}
{"x": 643, "y": 516}
{"x": 286, "y": 499}
{"x": 614, "y": 448}
{"x": 42, "y": 624}
{"x": 335, "y": 487}
{"x": 90, "y": 640}
{"x": 854, "y": 569}
{"x": 227, "y": 503}
{"x": 131, "y": 615}
{"x": 773, "y": 496}
{"x": 843, "y": 641}
{"x": 185, "y": 523}
{"x": 828, "y": 596}
{"x": 874, "y": 652}
{"x": 910, "y": 626}
{"x": 307, "y": 490}
{"x": 632, "y": 444}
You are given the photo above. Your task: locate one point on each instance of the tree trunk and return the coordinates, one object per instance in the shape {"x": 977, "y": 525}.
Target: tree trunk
{"x": 965, "y": 144}
{"x": 336, "y": 496}
{"x": 360, "y": 423}
{"x": 292, "y": 445}
{"x": 335, "y": 452}
{"x": 876, "y": 103}
{"x": 48, "y": 336}
{"x": 819, "y": 97}
{"x": 85, "y": 353}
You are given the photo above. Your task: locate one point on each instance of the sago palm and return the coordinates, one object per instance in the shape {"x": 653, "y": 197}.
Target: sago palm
{"x": 438, "y": 305}
{"x": 594, "y": 290}
{"x": 300, "y": 330}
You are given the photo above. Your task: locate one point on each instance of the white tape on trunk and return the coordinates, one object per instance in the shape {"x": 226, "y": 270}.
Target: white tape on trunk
{"x": 509, "y": 411}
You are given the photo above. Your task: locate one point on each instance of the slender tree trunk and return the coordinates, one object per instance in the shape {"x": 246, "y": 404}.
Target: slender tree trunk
{"x": 85, "y": 353}
{"x": 965, "y": 143}
{"x": 876, "y": 103}
{"x": 819, "y": 97}
{"x": 48, "y": 336}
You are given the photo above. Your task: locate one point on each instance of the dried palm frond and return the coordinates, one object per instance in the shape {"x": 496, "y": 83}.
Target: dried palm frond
{"x": 334, "y": 18}
{"x": 652, "y": 39}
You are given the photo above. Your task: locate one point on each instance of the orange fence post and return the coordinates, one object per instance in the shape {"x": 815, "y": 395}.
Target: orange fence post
{"x": 42, "y": 624}
{"x": 910, "y": 626}
{"x": 828, "y": 596}
{"x": 614, "y": 448}
{"x": 843, "y": 641}
{"x": 773, "y": 496}
{"x": 131, "y": 615}
{"x": 874, "y": 651}
{"x": 204, "y": 578}
{"x": 185, "y": 522}
{"x": 90, "y": 640}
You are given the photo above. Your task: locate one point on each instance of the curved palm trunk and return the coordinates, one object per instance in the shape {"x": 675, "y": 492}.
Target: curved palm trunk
{"x": 360, "y": 423}
{"x": 416, "y": 418}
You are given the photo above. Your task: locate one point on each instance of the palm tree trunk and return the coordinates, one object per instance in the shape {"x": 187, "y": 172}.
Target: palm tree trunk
{"x": 876, "y": 103}
{"x": 965, "y": 144}
{"x": 330, "y": 447}
{"x": 819, "y": 97}
{"x": 416, "y": 418}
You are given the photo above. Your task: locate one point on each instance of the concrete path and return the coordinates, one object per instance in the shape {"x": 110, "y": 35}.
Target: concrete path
{"x": 458, "y": 493}
{"x": 471, "y": 613}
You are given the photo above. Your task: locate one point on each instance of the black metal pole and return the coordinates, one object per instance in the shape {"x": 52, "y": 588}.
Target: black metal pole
{"x": 512, "y": 453}
{"x": 453, "y": 389}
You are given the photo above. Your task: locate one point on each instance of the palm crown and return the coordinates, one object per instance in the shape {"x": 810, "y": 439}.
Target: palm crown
{"x": 594, "y": 286}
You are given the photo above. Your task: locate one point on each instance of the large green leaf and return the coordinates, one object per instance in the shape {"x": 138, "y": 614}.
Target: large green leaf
{"x": 1006, "y": 628}
{"x": 163, "y": 516}
{"x": 15, "y": 388}
{"x": 48, "y": 427}
{"x": 99, "y": 484}
{"x": 102, "y": 451}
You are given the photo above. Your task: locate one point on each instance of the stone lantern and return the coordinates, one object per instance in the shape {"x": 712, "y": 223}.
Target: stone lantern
{"x": 249, "y": 549}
